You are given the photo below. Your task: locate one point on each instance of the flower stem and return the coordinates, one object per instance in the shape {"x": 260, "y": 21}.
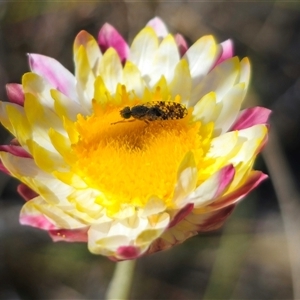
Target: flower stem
{"x": 288, "y": 199}
{"x": 120, "y": 284}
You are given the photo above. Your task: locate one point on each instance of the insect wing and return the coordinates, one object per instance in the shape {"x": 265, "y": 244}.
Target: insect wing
{"x": 171, "y": 110}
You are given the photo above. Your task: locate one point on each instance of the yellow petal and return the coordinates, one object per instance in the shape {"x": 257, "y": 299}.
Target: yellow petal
{"x": 206, "y": 110}
{"x": 47, "y": 160}
{"x": 65, "y": 107}
{"x": 91, "y": 47}
{"x": 62, "y": 145}
{"x": 182, "y": 82}
{"x": 20, "y": 125}
{"x": 85, "y": 75}
{"x": 132, "y": 79}
{"x": 110, "y": 68}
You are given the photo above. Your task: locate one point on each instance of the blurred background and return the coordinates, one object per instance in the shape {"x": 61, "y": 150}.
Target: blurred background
{"x": 255, "y": 255}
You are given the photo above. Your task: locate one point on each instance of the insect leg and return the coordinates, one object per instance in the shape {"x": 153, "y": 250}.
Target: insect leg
{"x": 123, "y": 121}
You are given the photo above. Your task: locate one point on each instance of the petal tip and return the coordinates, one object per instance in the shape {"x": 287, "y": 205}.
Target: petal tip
{"x": 15, "y": 93}
{"x": 108, "y": 37}
{"x": 159, "y": 26}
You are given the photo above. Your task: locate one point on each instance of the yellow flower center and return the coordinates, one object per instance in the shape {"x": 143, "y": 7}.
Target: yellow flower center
{"x": 130, "y": 161}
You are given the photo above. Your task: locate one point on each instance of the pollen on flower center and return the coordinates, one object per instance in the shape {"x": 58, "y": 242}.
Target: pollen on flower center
{"x": 128, "y": 162}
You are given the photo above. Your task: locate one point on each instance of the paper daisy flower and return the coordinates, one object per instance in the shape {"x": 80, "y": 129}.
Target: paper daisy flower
{"x": 144, "y": 147}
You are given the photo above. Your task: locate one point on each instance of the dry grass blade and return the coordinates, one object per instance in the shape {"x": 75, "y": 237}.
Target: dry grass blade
{"x": 289, "y": 202}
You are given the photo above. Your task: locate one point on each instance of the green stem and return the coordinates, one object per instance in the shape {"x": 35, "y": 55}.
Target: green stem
{"x": 120, "y": 284}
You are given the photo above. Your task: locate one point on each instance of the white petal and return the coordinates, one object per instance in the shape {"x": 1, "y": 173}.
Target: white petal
{"x": 143, "y": 49}
{"x": 209, "y": 189}
{"x": 251, "y": 139}
{"x": 220, "y": 80}
{"x": 186, "y": 180}
{"x": 165, "y": 61}
{"x": 224, "y": 144}
{"x": 59, "y": 217}
{"x": 201, "y": 56}
{"x": 56, "y": 74}
{"x": 106, "y": 237}
{"x": 154, "y": 206}
{"x": 231, "y": 105}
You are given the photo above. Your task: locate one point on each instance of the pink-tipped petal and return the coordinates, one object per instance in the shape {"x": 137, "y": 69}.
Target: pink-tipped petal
{"x": 55, "y": 73}
{"x": 160, "y": 245}
{"x": 211, "y": 188}
{"x": 181, "y": 44}
{"x": 3, "y": 169}
{"x": 252, "y": 182}
{"x": 15, "y": 142}
{"x": 26, "y": 192}
{"x": 226, "y": 177}
{"x": 159, "y": 27}
{"x": 109, "y": 37}
{"x": 181, "y": 214}
{"x": 38, "y": 221}
{"x": 76, "y": 235}
{"x": 15, "y": 93}
{"x": 92, "y": 50}
{"x": 215, "y": 221}
{"x": 227, "y": 51}
{"x": 250, "y": 117}
{"x": 83, "y": 38}
{"x": 15, "y": 150}
{"x": 190, "y": 227}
